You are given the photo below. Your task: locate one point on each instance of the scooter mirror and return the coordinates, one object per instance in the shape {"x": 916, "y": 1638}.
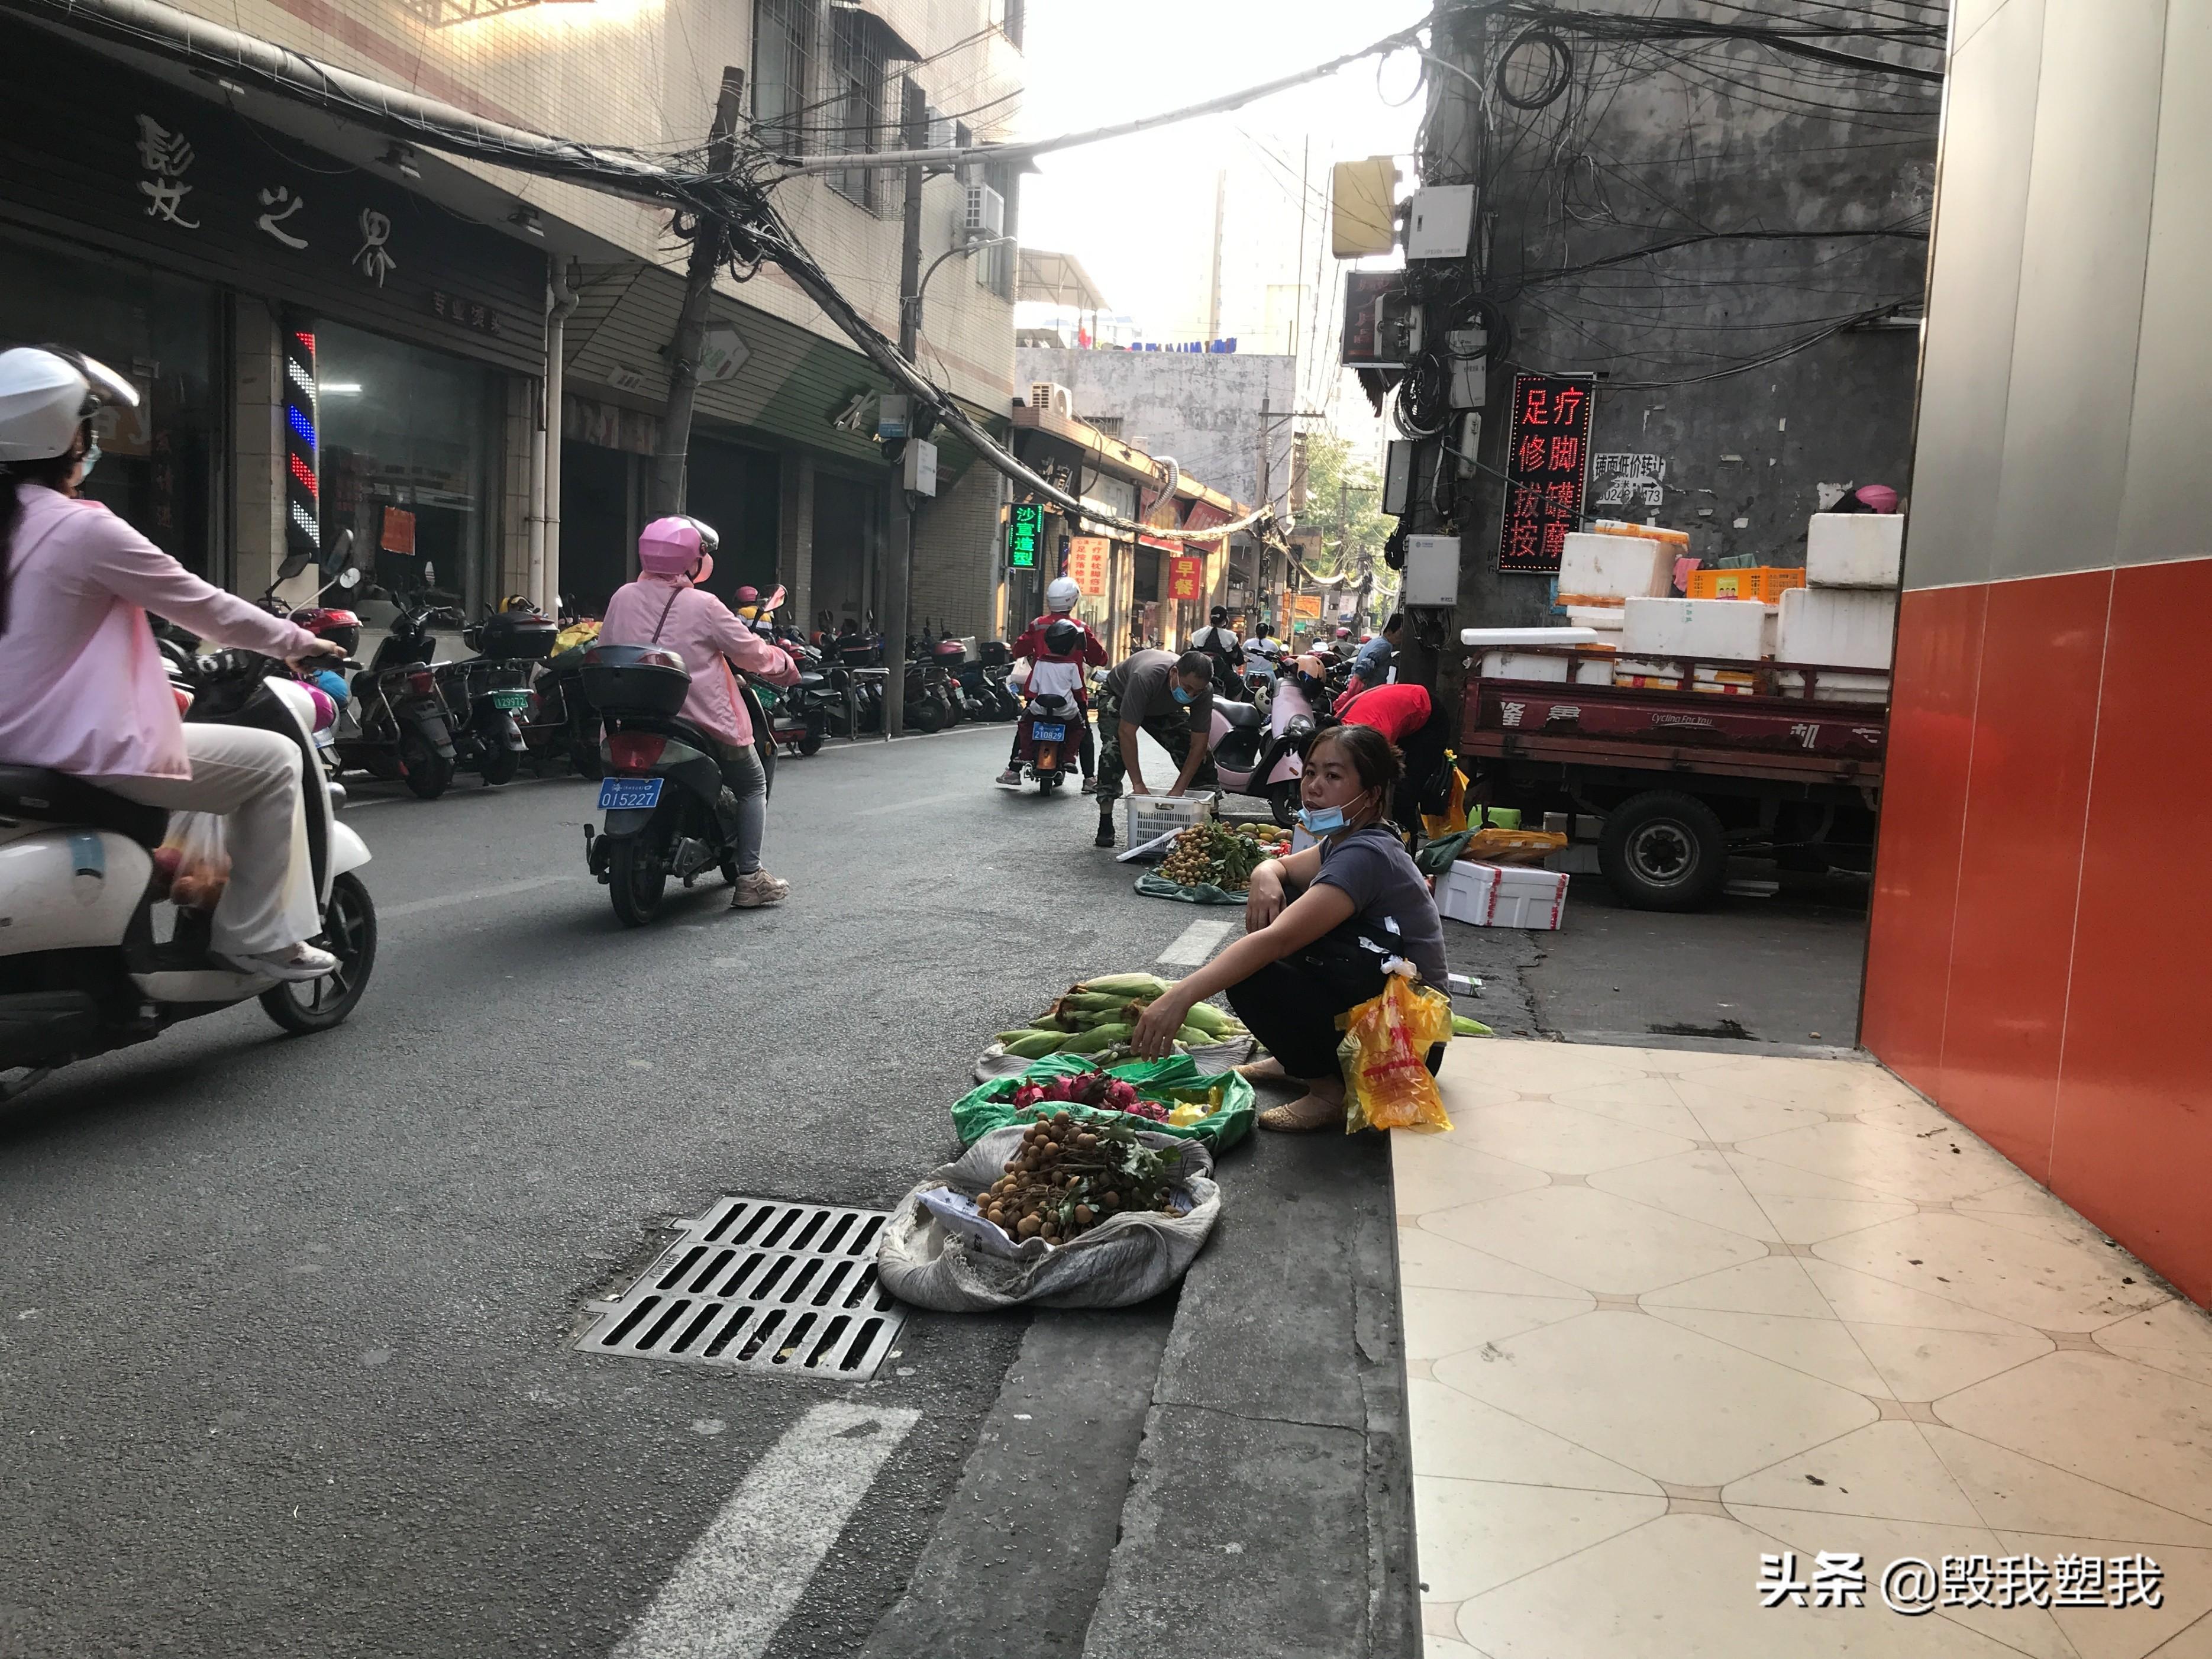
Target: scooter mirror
{"x": 342, "y": 553}
{"x": 349, "y": 577}
{"x": 430, "y": 574}
{"x": 293, "y": 565}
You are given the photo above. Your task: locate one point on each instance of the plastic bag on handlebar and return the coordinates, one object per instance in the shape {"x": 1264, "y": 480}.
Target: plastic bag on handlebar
{"x": 196, "y": 852}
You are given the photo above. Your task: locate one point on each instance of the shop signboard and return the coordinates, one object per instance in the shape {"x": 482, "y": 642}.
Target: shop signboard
{"x": 1089, "y": 559}
{"x": 1024, "y": 535}
{"x": 1186, "y": 577}
{"x": 1546, "y": 470}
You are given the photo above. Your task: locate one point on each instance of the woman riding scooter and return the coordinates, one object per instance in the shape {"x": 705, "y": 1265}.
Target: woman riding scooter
{"x": 666, "y": 606}
{"x": 1062, "y": 595}
{"x": 82, "y": 686}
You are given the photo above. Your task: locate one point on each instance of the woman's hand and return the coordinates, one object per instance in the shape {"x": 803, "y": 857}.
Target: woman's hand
{"x": 1264, "y": 903}
{"x": 308, "y": 660}
{"x": 1155, "y": 1033}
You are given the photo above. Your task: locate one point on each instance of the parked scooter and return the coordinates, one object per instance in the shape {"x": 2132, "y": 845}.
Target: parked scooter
{"x": 396, "y": 725}
{"x": 1262, "y": 752}
{"x": 82, "y": 969}
{"x": 668, "y": 814}
{"x": 564, "y": 720}
{"x": 489, "y": 696}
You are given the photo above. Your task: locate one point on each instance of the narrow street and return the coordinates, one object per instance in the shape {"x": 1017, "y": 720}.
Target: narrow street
{"x": 296, "y": 1315}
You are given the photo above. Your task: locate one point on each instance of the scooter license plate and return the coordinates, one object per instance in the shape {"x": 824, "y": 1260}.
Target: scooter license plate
{"x": 1044, "y": 733}
{"x": 629, "y": 794}
{"x": 513, "y": 702}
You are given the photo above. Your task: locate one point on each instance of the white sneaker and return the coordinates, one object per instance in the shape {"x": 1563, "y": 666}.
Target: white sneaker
{"x": 1009, "y": 778}
{"x": 757, "y": 889}
{"x": 299, "y": 963}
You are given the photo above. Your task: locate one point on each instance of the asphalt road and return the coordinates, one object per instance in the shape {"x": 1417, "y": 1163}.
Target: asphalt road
{"x": 285, "y": 1339}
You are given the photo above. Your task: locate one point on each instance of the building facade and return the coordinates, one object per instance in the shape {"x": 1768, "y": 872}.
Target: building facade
{"x": 491, "y": 350}
{"x": 2036, "y": 963}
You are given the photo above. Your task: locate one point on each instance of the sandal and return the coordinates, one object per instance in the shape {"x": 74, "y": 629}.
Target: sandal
{"x": 1304, "y": 1116}
{"x": 1266, "y": 1069}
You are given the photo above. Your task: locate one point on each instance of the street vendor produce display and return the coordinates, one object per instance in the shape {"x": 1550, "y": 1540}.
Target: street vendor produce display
{"x": 1096, "y": 1018}
{"x": 1067, "y": 1177}
{"x": 1217, "y": 854}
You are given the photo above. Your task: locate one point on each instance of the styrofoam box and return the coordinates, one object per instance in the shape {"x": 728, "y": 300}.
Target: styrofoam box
{"x": 1594, "y": 671}
{"x": 1523, "y": 665}
{"x": 1484, "y": 638}
{"x": 1599, "y": 618}
{"x": 1502, "y": 896}
{"x": 1837, "y": 627}
{"x": 1834, "y": 688}
{"x": 1853, "y": 549}
{"x": 1630, "y": 566}
{"x": 1692, "y": 627}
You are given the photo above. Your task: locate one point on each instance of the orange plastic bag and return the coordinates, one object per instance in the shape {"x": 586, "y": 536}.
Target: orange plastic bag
{"x": 1385, "y": 1057}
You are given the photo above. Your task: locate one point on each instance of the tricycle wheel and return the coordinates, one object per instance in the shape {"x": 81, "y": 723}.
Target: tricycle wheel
{"x": 1664, "y": 850}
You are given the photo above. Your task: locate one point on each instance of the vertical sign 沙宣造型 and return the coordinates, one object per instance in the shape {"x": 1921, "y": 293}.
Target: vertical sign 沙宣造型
{"x": 1546, "y": 470}
{"x": 1024, "y": 531}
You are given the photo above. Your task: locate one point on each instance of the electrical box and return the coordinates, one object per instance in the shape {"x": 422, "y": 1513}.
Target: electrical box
{"x": 891, "y": 416}
{"x": 1432, "y": 575}
{"x": 1468, "y": 350}
{"x": 1440, "y": 222}
{"x": 920, "y": 463}
{"x": 1398, "y": 476}
{"x": 986, "y": 214}
{"x": 1470, "y": 442}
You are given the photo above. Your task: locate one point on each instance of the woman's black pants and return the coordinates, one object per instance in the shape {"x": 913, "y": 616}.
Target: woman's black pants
{"x": 1292, "y": 1005}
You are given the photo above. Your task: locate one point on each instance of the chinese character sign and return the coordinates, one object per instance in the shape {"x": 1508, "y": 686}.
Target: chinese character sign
{"x": 1024, "y": 531}
{"x": 1548, "y": 469}
{"x": 1088, "y": 559}
{"x": 1186, "y": 577}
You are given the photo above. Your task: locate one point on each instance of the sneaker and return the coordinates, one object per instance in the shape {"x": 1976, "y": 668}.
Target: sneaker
{"x": 758, "y": 889}
{"x": 298, "y": 963}
{"x": 1091, "y": 785}
{"x": 1010, "y": 779}
{"x": 1105, "y": 833}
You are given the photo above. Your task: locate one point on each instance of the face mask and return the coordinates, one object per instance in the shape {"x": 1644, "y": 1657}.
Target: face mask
{"x": 1179, "y": 694}
{"x": 1323, "y": 820}
{"x": 91, "y": 460}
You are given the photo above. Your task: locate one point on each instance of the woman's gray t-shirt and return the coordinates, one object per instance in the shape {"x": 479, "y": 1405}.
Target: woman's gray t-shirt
{"x": 1372, "y": 868}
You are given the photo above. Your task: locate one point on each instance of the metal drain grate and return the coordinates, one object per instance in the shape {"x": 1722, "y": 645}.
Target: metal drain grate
{"x": 761, "y": 1285}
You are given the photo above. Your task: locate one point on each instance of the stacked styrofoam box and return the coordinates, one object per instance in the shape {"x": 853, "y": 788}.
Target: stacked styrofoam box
{"x": 1692, "y": 627}
{"x": 1502, "y": 896}
{"x": 1854, "y": 549}
{"x": 1609, "y": 568}
{"x": 1838, "y": 627}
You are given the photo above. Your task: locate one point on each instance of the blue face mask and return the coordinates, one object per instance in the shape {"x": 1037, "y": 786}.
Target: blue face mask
{"x": 91, "y": 460}
{"x": 1323, "y": 820}
{"x": 1179, "y": 694}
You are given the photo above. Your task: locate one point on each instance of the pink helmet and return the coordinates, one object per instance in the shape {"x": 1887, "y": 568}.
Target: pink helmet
{"x": 674, "y": 546}
{"x": 1879, "y": 497}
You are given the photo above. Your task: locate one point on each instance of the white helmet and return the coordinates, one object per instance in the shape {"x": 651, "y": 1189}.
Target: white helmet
{"x": 45, "y": 394}
{"x": 1061, "y": 593}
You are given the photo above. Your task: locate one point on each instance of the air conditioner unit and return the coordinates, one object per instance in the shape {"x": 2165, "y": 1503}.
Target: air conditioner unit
{"x": 1047, "y": 394}
{"x": 986, "y": 214}
{"x": 940, "y": 128}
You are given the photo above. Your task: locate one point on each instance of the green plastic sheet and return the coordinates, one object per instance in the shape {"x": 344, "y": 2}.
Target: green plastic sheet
{"x": 1154, "y": 886}
{"x": 1176, "y": 1078}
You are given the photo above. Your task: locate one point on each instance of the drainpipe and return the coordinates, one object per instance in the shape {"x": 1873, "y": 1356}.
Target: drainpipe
{"x": 545, "y": 582}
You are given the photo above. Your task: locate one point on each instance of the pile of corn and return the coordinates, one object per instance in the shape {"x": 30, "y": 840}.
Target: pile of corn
{"x": 1217, "y": 854}
{"x": 1096, "y": 1018}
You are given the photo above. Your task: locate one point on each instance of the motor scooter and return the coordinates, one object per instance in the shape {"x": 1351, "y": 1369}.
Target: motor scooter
{"x": 669, "y": 815}
{"x": 396, "y": 724}
{"x": 93, "y": 959}
{"x": 1262, "y": 752}
{"x": 1047, "y": 736}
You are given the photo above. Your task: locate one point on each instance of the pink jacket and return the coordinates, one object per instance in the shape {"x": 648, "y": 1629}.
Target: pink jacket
{"x": 662, "y": 610}
{"x": 82, "y": 688}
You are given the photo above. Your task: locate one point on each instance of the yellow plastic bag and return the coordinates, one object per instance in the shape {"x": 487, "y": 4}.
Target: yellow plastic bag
{"x": 1385, "y": 1057}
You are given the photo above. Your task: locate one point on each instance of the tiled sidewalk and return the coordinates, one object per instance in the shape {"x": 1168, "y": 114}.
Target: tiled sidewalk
{"x": 1667, "y": 1312}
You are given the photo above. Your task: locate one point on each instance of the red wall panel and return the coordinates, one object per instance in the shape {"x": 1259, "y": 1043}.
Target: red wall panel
{"x": 2028, "y": 790}
{"x": 2133, "y": 1147}
{"x": 1936, "y": 679}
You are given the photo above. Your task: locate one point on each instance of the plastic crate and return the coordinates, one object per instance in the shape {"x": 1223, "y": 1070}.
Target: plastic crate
{"x": 1145, "y": 818}
{"x": 1766, "y": 583}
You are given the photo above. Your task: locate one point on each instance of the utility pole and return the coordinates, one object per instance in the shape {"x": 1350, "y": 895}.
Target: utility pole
{"x": 709, "y": 236}
{"x": 898, "y": 562}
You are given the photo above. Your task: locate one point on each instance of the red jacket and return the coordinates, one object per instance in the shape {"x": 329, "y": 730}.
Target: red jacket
{"x": 1031, "y": 643}
{"x": 1396, "y": 711}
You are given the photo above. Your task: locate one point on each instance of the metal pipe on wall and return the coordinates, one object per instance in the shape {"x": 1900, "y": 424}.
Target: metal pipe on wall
{"x": 545, "y": 569}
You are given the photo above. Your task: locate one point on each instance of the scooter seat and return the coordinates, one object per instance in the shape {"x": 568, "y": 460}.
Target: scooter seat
{"x": 58, "y": 797}
{"x": 1239, "y": 713}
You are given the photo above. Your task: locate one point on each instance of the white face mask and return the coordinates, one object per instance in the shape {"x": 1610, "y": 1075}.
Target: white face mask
{"x": 91, "y": 460}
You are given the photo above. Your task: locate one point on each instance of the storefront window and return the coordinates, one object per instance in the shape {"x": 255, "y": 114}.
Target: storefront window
{"x": 407, "y": 438}
{"x": 158, "y": 462}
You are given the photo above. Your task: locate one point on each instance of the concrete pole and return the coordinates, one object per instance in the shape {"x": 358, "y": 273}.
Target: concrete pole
{"x": 665, "y": 494}
{"x": 898, "y": 557}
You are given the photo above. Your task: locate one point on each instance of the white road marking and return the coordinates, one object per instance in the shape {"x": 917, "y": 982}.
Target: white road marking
{"x": 908, "y": 806}
{"x": 420, "y": 907}
{"x": 1195, "y": 944}
{"x": 734, "y": 1589}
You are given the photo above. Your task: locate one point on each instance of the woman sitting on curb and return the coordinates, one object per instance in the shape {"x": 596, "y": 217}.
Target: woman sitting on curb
{"x": 1320, "y": 925}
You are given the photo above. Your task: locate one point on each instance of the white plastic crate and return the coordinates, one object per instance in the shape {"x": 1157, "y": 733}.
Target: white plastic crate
{"x": 1692, "y": 627}
{"x": 1614, "y": 567}
{"x": 1146, "y": 818}
{"x": 1503, "y": 895}
{"x": 1854, "y": 549}
{"x": 1838, "y": 627}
